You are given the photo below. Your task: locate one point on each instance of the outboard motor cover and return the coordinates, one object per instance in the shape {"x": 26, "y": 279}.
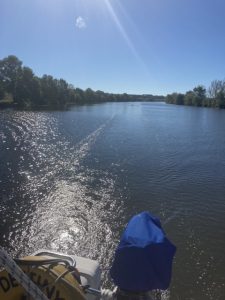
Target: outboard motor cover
{"x": 143, "y": 258}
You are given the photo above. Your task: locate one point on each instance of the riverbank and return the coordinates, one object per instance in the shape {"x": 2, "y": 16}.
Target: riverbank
{"x": 24, "y": 90}
{"x": 200, "y": 97}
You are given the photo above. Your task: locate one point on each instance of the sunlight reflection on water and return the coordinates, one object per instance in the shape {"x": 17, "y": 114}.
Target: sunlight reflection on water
{"x": 71, "y": 180}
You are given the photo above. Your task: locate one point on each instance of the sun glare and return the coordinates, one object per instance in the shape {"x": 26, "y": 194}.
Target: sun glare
{"x": 120, "y": 27}
{"x": 124, "y": 34}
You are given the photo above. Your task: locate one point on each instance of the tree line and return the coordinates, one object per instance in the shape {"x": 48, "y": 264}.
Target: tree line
{"x": 21, "y": 88}
{"x": 214, "y": 96}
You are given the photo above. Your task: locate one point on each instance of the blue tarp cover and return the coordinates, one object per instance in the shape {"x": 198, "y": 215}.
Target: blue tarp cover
{"x": 143, "y": 259}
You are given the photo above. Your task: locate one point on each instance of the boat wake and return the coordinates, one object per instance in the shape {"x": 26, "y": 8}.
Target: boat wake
{"x": 67, "y": 204}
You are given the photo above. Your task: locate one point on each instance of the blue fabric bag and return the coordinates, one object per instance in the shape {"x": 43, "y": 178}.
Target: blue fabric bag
{"x": 143, "y": 258}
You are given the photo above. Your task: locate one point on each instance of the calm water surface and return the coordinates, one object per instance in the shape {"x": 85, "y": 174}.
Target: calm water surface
{"x": 70, "y": 181}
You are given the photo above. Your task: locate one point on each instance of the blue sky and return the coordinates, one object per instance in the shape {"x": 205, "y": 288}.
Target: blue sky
{"x": 133, "y": 46}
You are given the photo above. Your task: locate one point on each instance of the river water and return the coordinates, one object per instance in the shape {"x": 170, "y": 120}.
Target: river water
{"x": 70, "y": 181}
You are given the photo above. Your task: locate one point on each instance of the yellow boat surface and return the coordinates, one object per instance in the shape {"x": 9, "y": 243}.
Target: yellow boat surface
{"x": 54, "y": 280}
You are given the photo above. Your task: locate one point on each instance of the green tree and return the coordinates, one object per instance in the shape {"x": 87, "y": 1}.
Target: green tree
{"x": 200, "y": 91}
{"x": 2, "y": 92}
{"x": 175, "y": 98}
{"x": 49, "y": 90}
{"x": 79, "y": 96}
{"x": 188, "y": 98}
{"x": 10, "y": 72}
{"x": 89, "y": 95}
{"x": 28, "y": 89}
{"x": 62, "y": 93}
{"x": 215, "y": 88}
{"x": 220, "y": 100}
{"x": 179, "y": 99}
{"x": 169, "y": 99}
{"x": 199, "y": 95}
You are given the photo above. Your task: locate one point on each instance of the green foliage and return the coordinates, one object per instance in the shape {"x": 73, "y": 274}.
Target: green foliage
{"x": 29, "y": 91}
{"x": 200, "y": 91}
{"x": 25, "y": 91}
{"x": 8, "y": 99}
{"x": 175, "y": 98}
{"x": 220, "y": 100}
{"x": 188, "y": 97}
{"x": 215, "y": 88}
{"x": 2, "y": 93}
{"x": 10, "y": 72}
{"x": 198, "y": 96}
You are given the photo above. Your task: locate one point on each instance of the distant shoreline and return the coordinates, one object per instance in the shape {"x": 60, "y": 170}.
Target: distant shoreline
{"x": 200, "y": 97}
{"x": 21, "y": 89}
